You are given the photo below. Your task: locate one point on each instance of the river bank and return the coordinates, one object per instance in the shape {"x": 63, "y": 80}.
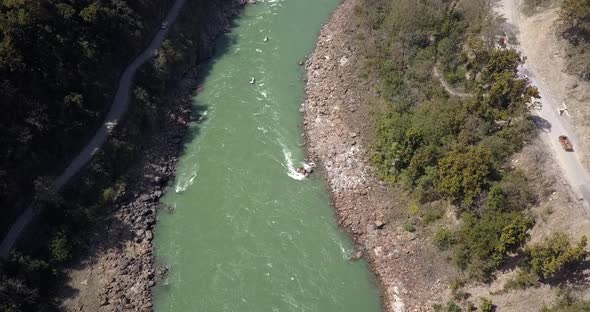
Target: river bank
{"x": 338, "y": 122}
{"x": 119, "y": 270}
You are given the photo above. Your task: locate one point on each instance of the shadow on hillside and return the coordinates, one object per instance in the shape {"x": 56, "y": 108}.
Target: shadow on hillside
{"x": 577, "y": 275}
{"x": 576, "y": 35}
{"x": 153, "y": 172}
{"x": 541, "y": 123}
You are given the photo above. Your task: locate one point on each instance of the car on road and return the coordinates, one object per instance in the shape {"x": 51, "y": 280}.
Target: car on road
{"x": 164, "y": 25}
{"x": 566, "y": 143}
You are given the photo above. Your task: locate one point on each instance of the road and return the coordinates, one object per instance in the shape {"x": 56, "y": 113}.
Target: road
{"x": 445, "y": 85}
{"x": 118, "y": 108}
{"x": 548, "y": 119}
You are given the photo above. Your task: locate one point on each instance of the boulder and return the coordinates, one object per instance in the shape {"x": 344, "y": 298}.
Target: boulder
{"x": 379, "y": 224}
{"x": 149, "y": 235}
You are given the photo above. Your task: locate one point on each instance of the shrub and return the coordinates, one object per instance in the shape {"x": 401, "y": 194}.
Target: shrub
{"x": 409, "y": 227}
{"x": 554, "y": 254}
{"x": 444, "y": 239}
{"x": 432, "y": 214}
{"x": 108, "y": 194}
{"x": 463, "y": 175}
{"x": 449, "y": 307}
{"x": 484, "y": 242}
{"x": 522, "y": 280}
{"x": 486, "y": 305}
{"x": 512, "y": 193}
{"x": 60, "y": 247}
{"x": 452, "y": 307}
{"x": 456, "y": 289}
{"x": 16, "y": 296}
{"x": 568, "y": 303}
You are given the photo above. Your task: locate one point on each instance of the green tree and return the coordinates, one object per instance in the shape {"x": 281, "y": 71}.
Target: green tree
{"x": 464, "y": 174}
{"x": 60, "y": 247}
{"x": 554, "y": 254}
{"x": 486, "y": 305}
{"x": 484, "y": 242}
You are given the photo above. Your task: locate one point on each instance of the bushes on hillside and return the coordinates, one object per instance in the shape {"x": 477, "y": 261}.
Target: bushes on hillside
{"x": 484, "y": 242}
{"x": 568, "y": 303}
{"x": 555, "y": 254}
{"x": 451, "y": 148}
{"x": 465, "y": 173}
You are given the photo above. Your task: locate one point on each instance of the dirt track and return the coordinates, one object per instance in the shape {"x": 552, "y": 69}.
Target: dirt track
{"x": 546, "y": 77}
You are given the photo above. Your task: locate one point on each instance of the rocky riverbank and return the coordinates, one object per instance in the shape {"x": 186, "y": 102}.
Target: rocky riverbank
{"x": 119, "y": 271}
{"x": 339, "y": 125}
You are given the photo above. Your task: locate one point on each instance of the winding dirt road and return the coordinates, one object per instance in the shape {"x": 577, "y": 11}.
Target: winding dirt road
{"x": 446, "y": 85}
{"x": 118, "y": 108}
{"x": 548, "y": 119}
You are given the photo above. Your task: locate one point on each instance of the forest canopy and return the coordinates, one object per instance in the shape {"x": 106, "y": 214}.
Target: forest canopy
{"x": 59, "y": 61}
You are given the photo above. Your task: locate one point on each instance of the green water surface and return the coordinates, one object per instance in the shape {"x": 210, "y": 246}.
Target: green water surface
{"x": 247, "y": 233}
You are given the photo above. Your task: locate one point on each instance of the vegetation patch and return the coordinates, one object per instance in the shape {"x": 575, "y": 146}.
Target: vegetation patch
{"x": 445, "y": 148}
{"x": 575, "y": 20}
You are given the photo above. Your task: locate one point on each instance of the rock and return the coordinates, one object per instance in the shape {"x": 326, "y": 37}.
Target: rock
{"x": 357, "y": 255}
{"x": 104, "y": 302}
{"x": 149, "y": 235}
{"x": 151, "y": 283}
{"x": 379, "y": 225}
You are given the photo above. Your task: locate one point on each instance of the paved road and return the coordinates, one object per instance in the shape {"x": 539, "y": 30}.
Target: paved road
{"x": 118, "y": 108}
{"x": 552, "y": 124}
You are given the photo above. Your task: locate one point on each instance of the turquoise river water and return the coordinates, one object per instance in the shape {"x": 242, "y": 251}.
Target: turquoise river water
{"x": 247, "y": 232}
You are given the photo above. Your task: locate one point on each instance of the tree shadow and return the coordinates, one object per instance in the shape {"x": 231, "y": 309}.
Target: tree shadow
{"x": 577, "y": 275}
{"x": 125, "y": 221}
{"x": 575, "y": 35}
{"x": 541, "y": 123}
{"x": 511, "y": 30}
{"x": 512, "y": 262}
{"x": 199, "y": 108}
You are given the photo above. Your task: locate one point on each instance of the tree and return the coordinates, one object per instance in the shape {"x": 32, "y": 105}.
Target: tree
{"x": 554, "y": 254}
{"x": 464, "y": 174}
{"x": 483, "y": 242}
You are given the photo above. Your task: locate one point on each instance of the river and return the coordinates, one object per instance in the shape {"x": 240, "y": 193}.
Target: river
{"x": 247, "y": 233}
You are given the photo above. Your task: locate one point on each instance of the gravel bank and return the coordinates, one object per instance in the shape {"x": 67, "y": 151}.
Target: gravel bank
{"x": 339, "y": 123}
